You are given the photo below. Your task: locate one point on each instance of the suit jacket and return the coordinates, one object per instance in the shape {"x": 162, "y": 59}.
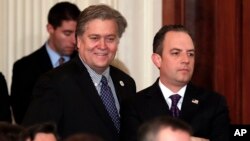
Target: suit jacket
{"x": 4, "y": 101}
{"x": 205, "y": 111}
{"x": 68, "y": 97}
{"x": 26, "y": 72}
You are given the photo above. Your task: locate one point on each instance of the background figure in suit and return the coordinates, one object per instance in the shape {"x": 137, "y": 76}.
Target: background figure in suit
{"x": 74, "y": 94}
{"x": 61, "y": 43}
{"x": 5, "y": 114}
{"x": 164, "y": 128}
{"x": 205, "y": 111}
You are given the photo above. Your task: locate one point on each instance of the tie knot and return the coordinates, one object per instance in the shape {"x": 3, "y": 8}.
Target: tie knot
{"x": 61, "y": 60}
{"x": 104, "y": 80}
{"x": 175, "y": 98}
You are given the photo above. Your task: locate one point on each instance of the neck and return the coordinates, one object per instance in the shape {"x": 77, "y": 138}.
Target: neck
{"x": 174, "y": 87}
{"x": 51, "y": 45}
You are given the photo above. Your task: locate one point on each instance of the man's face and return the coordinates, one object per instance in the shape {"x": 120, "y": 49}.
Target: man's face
{"x": 98, "y": 44}
{"x": 176, "y": 63}
{"x": 62, "y": 38}
{"x": 170, "y": 134}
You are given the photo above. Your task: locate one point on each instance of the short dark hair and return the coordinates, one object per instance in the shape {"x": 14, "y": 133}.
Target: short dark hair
{"x": 62, "y": 11}
{"x": 83, "y": 137}
{"x": 10, "y": 132}
{"x": 152, "y": 127}
{"x": 47, "y": 128}
{"x": 100, "y": 12}
{"x": 159, "y": 36}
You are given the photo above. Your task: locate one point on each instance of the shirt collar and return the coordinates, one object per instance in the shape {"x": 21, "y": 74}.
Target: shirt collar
{"x": 54, "y": 56}
{"x": 167, "y": 92}
{"x": 96, "y": 78}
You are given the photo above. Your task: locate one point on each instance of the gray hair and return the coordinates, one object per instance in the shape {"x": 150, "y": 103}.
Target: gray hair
{"x": 100, "y": 12}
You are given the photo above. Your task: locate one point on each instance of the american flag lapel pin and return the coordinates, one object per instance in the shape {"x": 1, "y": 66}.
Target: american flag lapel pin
{"x": 195, "y": 101}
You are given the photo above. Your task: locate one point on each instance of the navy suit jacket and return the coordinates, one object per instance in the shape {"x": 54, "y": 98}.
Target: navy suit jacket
{"x": 68, "y": 97}
{"x": 209, "y": 118}
{"x": 26, "y": 72}
{"x": 4, "y": 101}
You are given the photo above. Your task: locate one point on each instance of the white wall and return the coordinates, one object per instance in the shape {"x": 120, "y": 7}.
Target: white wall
{"x": 23, "y": 30}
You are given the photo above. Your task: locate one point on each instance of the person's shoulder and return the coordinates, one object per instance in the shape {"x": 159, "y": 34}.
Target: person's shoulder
{"x": 142, "y": 97}
{"x": 2, "y": 80}
{"x": 66, "y": 70}
{"x": 145, "y": 91}
{"x": 119, "y": 73}
{"x": 1, "y": 75}
{"x": 114, "y": 69}
{"x": 31, "y": 58}
{"x": 150, "y": 90}
{"x": 53, "y": 76}
{"x": 204, "y": 92}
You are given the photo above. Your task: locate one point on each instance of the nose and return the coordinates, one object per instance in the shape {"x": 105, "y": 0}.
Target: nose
{"x": 102, "y": 44}
{"x": 73, "y": 39}
{"x": 185, "y": 58}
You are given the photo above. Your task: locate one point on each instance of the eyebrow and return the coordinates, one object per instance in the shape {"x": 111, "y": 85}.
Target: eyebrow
{"x": 190, "y": 50}
{"x": 68, "y": 30}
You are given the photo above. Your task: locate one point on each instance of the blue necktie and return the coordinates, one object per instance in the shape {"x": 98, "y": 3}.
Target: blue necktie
{"x": 174, "y": 109}
{"x": 109, "y": 102}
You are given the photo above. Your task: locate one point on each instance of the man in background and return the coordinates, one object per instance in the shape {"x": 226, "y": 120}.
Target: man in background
{"x": 164, "y": 128}
{"x": 40, "y": 132}
{"x": 59, "y": 48}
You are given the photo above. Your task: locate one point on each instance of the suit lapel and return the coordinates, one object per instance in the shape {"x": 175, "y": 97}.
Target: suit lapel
{"x": 44, "y": 60}
{"x": 87, "y": 87}
{"x": 190, "y": 103}
{"x": 118, "y": 84}
{"x": 157, "y": 103}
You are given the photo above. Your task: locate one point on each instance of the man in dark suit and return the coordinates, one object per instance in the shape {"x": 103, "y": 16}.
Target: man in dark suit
{"x": 5, "y": 114}
{"x": 61, "y": 44}
{"x": 86, "y": 94}
{"x": 173, "y": 94}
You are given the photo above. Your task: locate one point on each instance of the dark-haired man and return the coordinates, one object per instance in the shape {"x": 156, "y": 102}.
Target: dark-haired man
{"x": 173, "y": 94}
{"x": 59, "y": 47}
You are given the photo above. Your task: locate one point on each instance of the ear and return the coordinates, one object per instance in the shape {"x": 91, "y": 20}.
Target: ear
{"x": 78, "y": 41}
{"x": 156, "y": 58}
{"x": 50, "y": 29}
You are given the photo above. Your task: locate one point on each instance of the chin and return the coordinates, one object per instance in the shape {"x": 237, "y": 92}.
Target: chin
{"x": 101, "y": 64}
{"x": 68, "y": 53}
{"x": 184, "y": 81}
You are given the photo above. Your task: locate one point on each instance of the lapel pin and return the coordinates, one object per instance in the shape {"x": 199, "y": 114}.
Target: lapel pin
{"x": 121, "y": 83}
{"x": 195, "y": 101}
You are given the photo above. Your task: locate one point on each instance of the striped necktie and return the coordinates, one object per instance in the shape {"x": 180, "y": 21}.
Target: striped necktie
{"x": 109, "y": 102}
{"x": 174, "y": 109}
